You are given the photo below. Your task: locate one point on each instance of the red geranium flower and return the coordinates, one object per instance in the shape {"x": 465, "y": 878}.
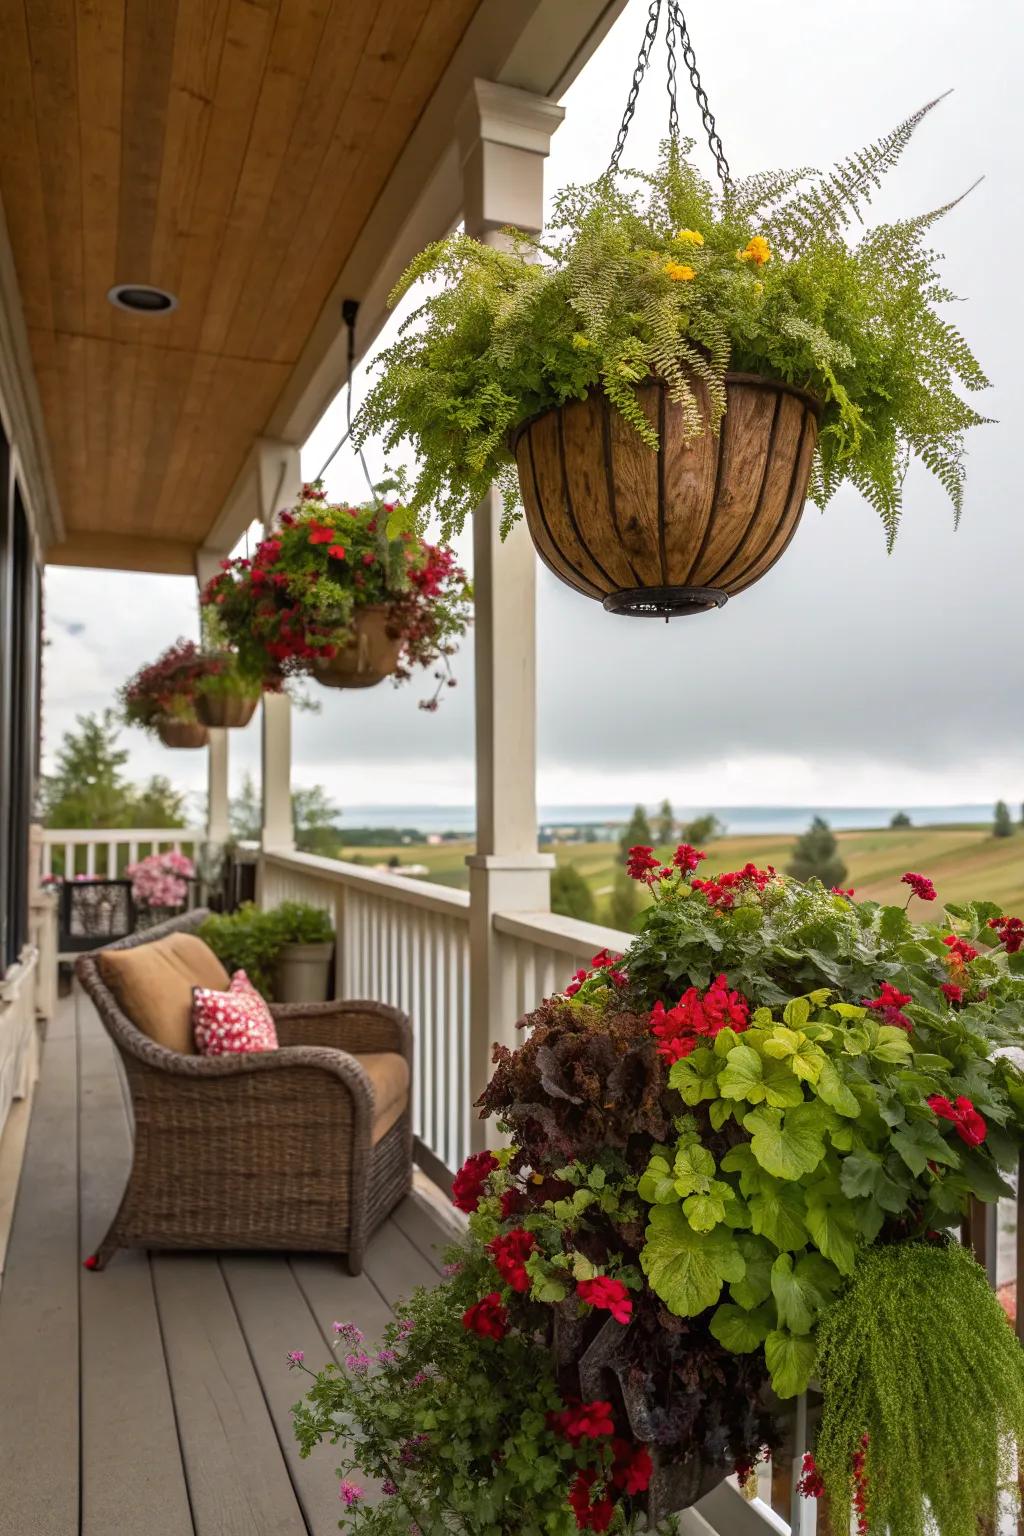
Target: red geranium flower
{"x": 513, "y": 1203}
{"x": 1010, "y": 931}
{"x": 319, "y": 534}
{"x": 510, "y": 1252}
{"x": 889, "y": 1004}
{"x": 837, "y": 890}
{"x": 487, "y": 1317}
{"x": 811, "y": 1485}
{"x": 686, "y": 858}
{"x": 960, "y": 952}
{"x": 970, "y": 1126}
{"x": 584, "y": 1421}
{"x": 680, "y": 1029}
{"x": 337, "y": 552}
{"x": 468, "y": 1184}
{"x": 920, "y": 886}
{"x": 639, "y": 863}
{"x": 596, "y": 1515}
{"x": 607, "y": 1295}
{"x": 952, "y": 992}
{"x": 632, "y": 1467}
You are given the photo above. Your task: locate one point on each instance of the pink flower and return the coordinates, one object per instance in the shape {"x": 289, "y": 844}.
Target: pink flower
{"x": 920, "y": 886}
{"x": 295, "y": 1357}
{"x": 358, "y": 1363}
{"x": 349, "y": 1331}
{"x": 349, "y": 1493}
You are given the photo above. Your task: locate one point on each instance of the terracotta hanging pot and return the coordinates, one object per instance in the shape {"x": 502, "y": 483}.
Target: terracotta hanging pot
{"x": 678, "y": 530}
{"x": 370, "y": 656}
{"x": 222, "y": 711}
{"x": 182, "y": 733}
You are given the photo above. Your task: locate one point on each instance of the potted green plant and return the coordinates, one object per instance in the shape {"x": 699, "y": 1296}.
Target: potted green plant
{"x": 285, "y": 951}
{"x": 738, "y": 1159}
{"x": 227, "y": 692}
{"x": 330, "y": 595}
{"x": 665, "y": 375}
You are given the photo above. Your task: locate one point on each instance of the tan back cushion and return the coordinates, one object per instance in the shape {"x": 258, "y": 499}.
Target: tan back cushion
{"x": 153, "y": 985}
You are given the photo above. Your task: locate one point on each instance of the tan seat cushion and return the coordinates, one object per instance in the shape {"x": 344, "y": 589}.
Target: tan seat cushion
{"x": 389, "y": 1075}
{"x": 153, "y": 985}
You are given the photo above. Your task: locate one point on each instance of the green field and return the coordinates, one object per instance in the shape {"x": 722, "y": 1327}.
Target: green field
{"x": 964, "y": 861}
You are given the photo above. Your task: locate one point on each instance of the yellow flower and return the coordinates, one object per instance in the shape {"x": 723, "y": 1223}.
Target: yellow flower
{"x": 756, "y": 250}
{"x": 759, "y": 288}
{"x": 690, "y": 236}
{"x": 581, "y": 342}
{"x": 679, "y": 272}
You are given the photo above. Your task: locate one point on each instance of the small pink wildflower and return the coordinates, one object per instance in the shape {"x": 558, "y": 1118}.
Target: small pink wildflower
{"x": 349, "y": 1331}
{"x": 450, "y": 1270}
{"x": 358, "y": 1363}
{"x": 387, "y": 1357}
{"x": 406, "y": 1325}
{"x": 419, "y": 1379}
{"x": 349, "y": 1493}
{"x": 389, "y": 1488}
{"x": 295, "y": 1357}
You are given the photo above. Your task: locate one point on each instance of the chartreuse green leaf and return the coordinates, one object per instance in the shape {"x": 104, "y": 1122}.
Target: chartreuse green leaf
{"x": 693, "y": 1170}
{"x": 741, "y": 1331}
{"x": 779, "y": 1212}
{"x": 695, "y": 1078}
{"x": 789, "y": 1145}
{"x": 749, "y": 1077}
{"x": 756, "y": 1285}
{"x": 657, "y": 1183}
{"x": 801, "y": 1056}
{"x": 833, "y": 1226}
{"x": 790, "y": 1359}
{"x": 719, "y": 1112}
{"x": 687, "y": 1269}
{"x": 797, "y": 1012}
{"x": 802, "y": 1289}
{"x": 832, "y": 1091}
{"x": 704, "y": 1211}
{"x": 891, "y": 1044}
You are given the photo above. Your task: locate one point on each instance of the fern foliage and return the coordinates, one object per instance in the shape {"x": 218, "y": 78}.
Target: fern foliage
{"x": 659, "y": 273}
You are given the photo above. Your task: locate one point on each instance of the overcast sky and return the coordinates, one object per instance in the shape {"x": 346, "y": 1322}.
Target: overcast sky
{"x": 847, "y": 676}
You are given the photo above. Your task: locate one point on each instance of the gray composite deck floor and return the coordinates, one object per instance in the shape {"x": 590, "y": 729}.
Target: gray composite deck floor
{"x": 153, "y": 1399}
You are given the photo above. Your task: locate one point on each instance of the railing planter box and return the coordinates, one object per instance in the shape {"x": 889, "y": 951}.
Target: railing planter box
{"x": 182, "y": 734}
{"x": 302, "y": 973}
{"x": 677, "y": 529}
{"x": 369, "y": 657}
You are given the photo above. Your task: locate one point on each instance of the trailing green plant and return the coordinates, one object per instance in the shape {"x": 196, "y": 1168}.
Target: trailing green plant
{"x": 251, "y": 939}
{"x": 661, "y": 274}
{"x": 923, "y": 1384}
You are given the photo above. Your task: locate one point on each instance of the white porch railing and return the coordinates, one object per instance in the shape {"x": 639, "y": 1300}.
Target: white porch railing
{"x": 406, "y": 942}
{"x": 107, "y": 852}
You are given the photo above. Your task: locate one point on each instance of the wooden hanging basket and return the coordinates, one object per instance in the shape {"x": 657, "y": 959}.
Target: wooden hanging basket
{"x": 182, "y": 733}
{"x": 225, "y": 711}
{"x": 680, "y": 530}
{"x": 370, "y": 657}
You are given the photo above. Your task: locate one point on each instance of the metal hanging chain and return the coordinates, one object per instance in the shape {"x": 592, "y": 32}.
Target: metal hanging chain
{"x": 676, "y": 25}
{"x": 690, "y": 60}
{"x": 642, "y": 63}
{"x": 349, "y": 311}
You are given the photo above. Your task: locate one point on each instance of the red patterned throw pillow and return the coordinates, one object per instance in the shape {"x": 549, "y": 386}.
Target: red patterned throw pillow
{"x": 236, "y": 1020}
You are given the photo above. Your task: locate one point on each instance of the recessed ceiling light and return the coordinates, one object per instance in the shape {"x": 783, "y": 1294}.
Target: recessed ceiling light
{"x": 141, "y": 299}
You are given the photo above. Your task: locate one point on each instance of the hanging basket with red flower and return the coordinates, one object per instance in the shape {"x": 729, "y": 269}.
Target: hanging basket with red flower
{"x": 329, "y": 595}
{"x": 739, "y": 1156}
{"x": 187, "y": 691}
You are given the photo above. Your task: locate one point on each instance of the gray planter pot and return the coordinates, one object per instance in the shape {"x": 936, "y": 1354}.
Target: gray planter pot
{"x": 301, "y": 973}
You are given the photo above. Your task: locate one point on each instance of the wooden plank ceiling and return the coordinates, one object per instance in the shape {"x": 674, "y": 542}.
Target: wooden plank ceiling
{"x": 228, "y": 151}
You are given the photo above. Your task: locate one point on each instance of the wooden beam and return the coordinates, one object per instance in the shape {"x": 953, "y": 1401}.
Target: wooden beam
{"x": 123, "y": 552}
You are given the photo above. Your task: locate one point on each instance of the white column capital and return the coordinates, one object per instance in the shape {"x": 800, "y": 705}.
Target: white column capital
{"x": 278, "y": 477}
{"x": 504, "y": 138}
{"x": 503, "y": 114}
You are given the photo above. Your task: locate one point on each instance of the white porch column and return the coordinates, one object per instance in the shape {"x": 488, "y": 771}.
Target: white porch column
{"x": 279, "y": 480}
{"x": 217, "y": 824}
{"x": 505, "y": 135}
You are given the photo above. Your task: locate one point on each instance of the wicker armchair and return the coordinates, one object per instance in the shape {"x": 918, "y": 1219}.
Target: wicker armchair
{"x": 272, "y": 1149}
